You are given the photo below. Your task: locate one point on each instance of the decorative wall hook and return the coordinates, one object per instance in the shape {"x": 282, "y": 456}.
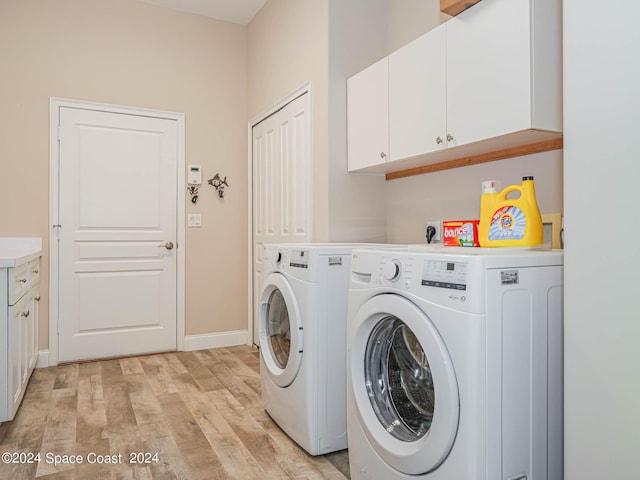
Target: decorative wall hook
{"x": 194, "y": 194}
{"x": 219, "y": 184}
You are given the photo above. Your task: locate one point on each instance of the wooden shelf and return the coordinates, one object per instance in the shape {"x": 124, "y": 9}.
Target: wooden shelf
{"x": 454, "y": 7}
{"x": 516, "y": 144}
{"x": 538, "y": 147}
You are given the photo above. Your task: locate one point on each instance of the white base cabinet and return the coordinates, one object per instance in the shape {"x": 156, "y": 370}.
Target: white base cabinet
{"x": 19, "y": 300}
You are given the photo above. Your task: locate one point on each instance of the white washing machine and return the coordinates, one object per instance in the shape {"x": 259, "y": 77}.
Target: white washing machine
{"x": 303, "y": 316}
{"x": 454, "y": 365}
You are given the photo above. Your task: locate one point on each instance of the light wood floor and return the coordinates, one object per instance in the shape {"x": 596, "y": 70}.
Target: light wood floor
{"x": 200, "y": 411}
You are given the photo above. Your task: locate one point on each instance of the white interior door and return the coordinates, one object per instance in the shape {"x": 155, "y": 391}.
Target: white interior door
{"x": 118, "y": 234}
{"x": 282, "y": 188}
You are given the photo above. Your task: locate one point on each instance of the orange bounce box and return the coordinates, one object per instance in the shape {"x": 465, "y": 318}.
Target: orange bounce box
{"x": 461, "y": 233}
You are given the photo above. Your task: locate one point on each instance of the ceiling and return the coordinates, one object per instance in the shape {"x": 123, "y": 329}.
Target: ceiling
{"x": 236, "y": 11}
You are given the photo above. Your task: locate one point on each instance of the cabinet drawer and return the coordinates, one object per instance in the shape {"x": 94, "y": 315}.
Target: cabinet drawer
{"x": 22, "y": 278}
{"x": 34, "y": 272}
{"x": 18, "y": 283}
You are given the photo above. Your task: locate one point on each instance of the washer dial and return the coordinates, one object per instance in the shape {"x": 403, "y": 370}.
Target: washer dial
{"x": 391, "y": 270}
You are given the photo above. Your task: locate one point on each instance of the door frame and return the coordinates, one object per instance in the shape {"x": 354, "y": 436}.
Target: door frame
{"x": 55, "y": 104}
{"x": 304, "y": 88}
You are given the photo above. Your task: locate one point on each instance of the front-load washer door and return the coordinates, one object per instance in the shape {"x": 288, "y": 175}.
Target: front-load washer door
{"x": 280, "y": 330}
{"x": 404, "y": 384}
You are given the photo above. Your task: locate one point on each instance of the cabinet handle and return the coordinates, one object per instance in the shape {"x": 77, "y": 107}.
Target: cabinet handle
{"x": 449, "y": 137}
{"x": 382, "y": 154}
{"x": 25, "y": 314}
{"x": 37, "y": 299}
{"x": 438, "y": 139}
{"x": 36, "y": 271}
{"x": 23, "y": 280}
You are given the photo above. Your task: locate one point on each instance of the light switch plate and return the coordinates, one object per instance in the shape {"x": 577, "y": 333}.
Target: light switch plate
{"x": 194, "y": 220}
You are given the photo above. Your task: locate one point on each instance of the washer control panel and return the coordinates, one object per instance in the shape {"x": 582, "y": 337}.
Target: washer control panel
{"x": 299, "y": 259}
{"x": 455, "y": 280}
{"x": 444, "y": 274}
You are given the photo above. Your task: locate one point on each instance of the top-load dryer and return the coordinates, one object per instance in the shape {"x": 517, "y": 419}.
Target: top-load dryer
{"x": 303, "y": 316}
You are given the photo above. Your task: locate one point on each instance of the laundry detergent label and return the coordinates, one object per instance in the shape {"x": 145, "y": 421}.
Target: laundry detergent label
{"x": 507, "y": 223}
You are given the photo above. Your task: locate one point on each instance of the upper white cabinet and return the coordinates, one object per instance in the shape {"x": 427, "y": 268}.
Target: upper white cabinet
{"x": 417, "y": 96}
{"x": 503, "y": 69}
{"x": 368, "y": 116}
{"x": 487, "y": 80}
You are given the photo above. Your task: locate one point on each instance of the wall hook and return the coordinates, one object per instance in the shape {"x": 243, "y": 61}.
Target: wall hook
{"x": 194, "y": 194}
{"x": 218, "y": 184}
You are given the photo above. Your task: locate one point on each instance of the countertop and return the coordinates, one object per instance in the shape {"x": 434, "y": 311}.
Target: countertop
{"x": 15, "y": 251}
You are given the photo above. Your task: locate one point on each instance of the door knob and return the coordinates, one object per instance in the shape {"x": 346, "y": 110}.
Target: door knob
{"x": 438, "y": 140}
{"x": 449, "y": 137}
{"x": 168, "y": 245}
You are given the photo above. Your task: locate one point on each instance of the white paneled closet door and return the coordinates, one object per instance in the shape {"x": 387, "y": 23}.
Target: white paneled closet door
{"x": 282, "y": 185}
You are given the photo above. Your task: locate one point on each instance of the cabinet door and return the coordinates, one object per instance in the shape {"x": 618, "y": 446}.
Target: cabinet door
{"x": 368, "y": 116}
{"x": 29, "y": 335}
{"x": 417, "y": 96}
{"x": 26, "y": 338}
{"x": 33, "y": 326}
{"x": 17, "y": 314}
{"x": 488, "y": 71}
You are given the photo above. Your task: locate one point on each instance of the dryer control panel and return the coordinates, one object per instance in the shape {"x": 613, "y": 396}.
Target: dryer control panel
{"x": 444, "y": 274}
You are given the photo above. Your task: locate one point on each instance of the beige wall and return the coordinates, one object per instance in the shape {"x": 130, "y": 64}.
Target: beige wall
{"x": 220, "y": 74}
{"x": 409, "y": 19}
{"x": 130, "y": 53}
{"x": 322, "y": 41}
{"x": 455, "y": 194}
{"x": 356, "y": 202}
{"x": 287, "y": 45}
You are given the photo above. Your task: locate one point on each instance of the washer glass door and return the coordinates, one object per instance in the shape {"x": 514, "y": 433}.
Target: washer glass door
{"x": 280, "y": 330}
{"x": 403, "y": 384}
{"x": 399, "y": 381}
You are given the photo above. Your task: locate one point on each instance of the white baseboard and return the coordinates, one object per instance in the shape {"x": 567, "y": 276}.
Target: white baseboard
{"x": 43, "y": 359}
{"x": 215, "y": 340}
{"x": 191, "y": 342}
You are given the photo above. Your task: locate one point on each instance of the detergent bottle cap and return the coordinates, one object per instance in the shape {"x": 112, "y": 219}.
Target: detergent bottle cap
{"x": 490, "y": 186}
{"x": 527, "y": 178}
